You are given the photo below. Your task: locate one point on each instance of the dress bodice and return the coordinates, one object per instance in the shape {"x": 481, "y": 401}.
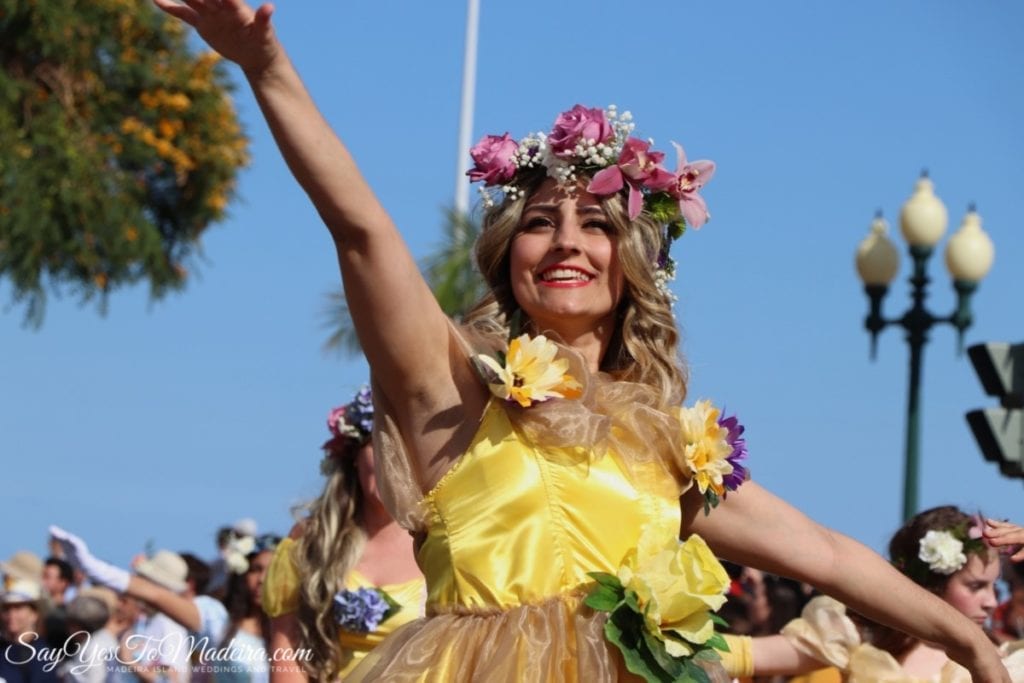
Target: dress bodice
{"x": 513, "y": 523}
{"x": 281, "y": 596}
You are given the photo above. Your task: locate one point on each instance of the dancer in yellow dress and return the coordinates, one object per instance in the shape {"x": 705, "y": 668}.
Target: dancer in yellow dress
{"x": 944, "y": 550}
{"x": 542, "y": 479}
{"x": 342, "y": 554}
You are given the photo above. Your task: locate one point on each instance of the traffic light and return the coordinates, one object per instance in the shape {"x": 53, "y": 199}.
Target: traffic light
{"x": 1000, "y": 431}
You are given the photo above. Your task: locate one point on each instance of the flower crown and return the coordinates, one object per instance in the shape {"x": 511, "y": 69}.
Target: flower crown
{"x": 944, "y": 551}
{"x": 599, "y": 144}
{"x": 350, "y": 424}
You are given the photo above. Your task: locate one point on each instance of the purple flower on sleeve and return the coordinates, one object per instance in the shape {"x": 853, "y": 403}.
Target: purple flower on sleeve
{"x": 735, "y": 439}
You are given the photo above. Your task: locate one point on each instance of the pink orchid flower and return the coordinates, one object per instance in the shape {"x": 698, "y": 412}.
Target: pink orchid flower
{"x": 976, "y": 528}
{"x": 689, "y": 179}
{"x": 637, "y": 167}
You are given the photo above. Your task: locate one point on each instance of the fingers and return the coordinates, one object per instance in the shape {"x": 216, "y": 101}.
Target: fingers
{"x": 1004, "y": 533}
{"x": 179, "y": 11}
{"x": 263, "y": 14}
{"x": 1007, "y": 536}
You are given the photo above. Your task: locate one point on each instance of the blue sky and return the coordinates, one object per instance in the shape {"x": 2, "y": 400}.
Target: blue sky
{"x": 161, "y": 421}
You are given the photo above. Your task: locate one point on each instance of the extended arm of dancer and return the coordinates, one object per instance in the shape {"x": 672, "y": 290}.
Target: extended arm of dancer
{"x": 755, "y": 528}
{"x": 395, "y": 314}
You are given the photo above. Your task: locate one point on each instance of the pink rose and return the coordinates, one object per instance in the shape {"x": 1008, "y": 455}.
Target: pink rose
{"x": 333, "y": 418}
{"x": 575, "y": 125}
{"x": 493, "y": 157}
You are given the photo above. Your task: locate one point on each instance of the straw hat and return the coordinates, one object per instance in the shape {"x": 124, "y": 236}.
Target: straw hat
{"x": 165, "y": 568}
{"x": 23, "y": 565}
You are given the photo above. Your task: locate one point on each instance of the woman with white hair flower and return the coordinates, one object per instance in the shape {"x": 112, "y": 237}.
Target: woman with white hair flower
{"x": 547, "y": 492}
{"x": 944, "y": 550}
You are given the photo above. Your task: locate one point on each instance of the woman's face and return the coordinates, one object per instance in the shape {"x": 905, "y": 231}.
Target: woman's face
{"x": 972, "y": 589}
{"x": 564, "y": 260}
{"x": 254, "y": 576}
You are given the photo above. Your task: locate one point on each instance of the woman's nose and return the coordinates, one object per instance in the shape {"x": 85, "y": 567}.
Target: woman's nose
{"x": 567, "y": 235}
{"x": 991, "y": 602}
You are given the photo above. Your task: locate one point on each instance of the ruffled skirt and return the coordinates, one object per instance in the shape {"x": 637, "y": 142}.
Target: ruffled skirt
{"x": 559, "y": 640}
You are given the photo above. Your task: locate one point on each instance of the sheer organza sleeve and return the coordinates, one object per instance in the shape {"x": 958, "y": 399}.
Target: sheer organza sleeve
{"x": 399, "y": 479}
{"x": 824, "y": 632}
{"x": 1013, "y": 658}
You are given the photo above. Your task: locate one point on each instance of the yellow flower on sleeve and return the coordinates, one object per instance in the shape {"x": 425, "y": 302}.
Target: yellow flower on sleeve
{"x": 706, "y": 447}
{"x": 531, "y": 373}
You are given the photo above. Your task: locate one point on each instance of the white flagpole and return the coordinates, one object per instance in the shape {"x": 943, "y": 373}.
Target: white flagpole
{"x": 466, "y": 114}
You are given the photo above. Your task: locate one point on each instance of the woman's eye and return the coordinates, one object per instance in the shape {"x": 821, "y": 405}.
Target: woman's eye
{"x": 536, "y": 223}
{"x": 603, "y": 226}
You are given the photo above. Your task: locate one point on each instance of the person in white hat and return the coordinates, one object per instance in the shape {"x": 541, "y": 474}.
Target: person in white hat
{"x": 20, "y": 642}
{"x": 20, "y": 609}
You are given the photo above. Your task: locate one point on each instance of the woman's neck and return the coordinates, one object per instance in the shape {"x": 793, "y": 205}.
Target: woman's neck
{"x": 590, "y": 341}
{"x": 376, "y": 520}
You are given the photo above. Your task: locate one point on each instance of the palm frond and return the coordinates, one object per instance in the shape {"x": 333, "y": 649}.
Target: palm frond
{"x": 449, "y": 271}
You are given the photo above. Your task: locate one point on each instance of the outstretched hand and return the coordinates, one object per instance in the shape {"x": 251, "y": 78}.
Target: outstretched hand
{"x": 231, "y": 27}
{"x": 1005, "y": 536}
{"x": 99, "y": 572}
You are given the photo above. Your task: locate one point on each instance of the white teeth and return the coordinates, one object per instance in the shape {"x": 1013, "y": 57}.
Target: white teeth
{"x": 561, "y": 274}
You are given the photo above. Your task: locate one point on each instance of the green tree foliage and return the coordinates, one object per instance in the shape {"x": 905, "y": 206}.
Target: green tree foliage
{"x": 449, "y": 270}
{"x": 119, "y": 146}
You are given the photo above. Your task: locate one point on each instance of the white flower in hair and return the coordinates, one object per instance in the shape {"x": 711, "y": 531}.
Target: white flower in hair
{"x": 236, "y": 554}
{"x": 942, "y": 552}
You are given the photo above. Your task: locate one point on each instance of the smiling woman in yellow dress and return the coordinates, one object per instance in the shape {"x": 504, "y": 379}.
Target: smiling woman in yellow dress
{"x": 540, "y": 454}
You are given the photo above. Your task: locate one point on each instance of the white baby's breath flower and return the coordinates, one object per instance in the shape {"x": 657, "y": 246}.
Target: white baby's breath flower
{"x": 942, "y": 552}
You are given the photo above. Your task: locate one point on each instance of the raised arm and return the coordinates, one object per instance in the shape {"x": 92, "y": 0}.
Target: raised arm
{"x": 179, "y": 608}
{"x": 755, "y": 528}
{"x": 395, "y": 314}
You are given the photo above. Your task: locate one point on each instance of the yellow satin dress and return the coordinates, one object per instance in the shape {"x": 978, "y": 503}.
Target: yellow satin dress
{"x": 510, "y": 533}
{"x": 281, "y": 596}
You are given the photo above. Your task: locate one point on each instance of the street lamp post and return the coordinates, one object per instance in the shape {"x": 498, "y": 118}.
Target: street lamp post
{"x": 969, "y": 256}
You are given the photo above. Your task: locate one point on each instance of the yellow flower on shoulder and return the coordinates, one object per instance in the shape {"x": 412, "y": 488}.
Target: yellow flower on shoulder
{"x": 531, "y": 373}
{"x": 677, "y": 586}
{"x": 706, "y": 447}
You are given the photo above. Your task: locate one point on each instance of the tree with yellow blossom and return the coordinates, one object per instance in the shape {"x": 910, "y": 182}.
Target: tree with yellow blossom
{"x": 119, "y": 147}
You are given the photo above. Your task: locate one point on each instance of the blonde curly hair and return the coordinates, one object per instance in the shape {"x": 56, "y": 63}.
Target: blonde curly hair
{"x": 331, "y": 543}
{"x": 644, "y": 348}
